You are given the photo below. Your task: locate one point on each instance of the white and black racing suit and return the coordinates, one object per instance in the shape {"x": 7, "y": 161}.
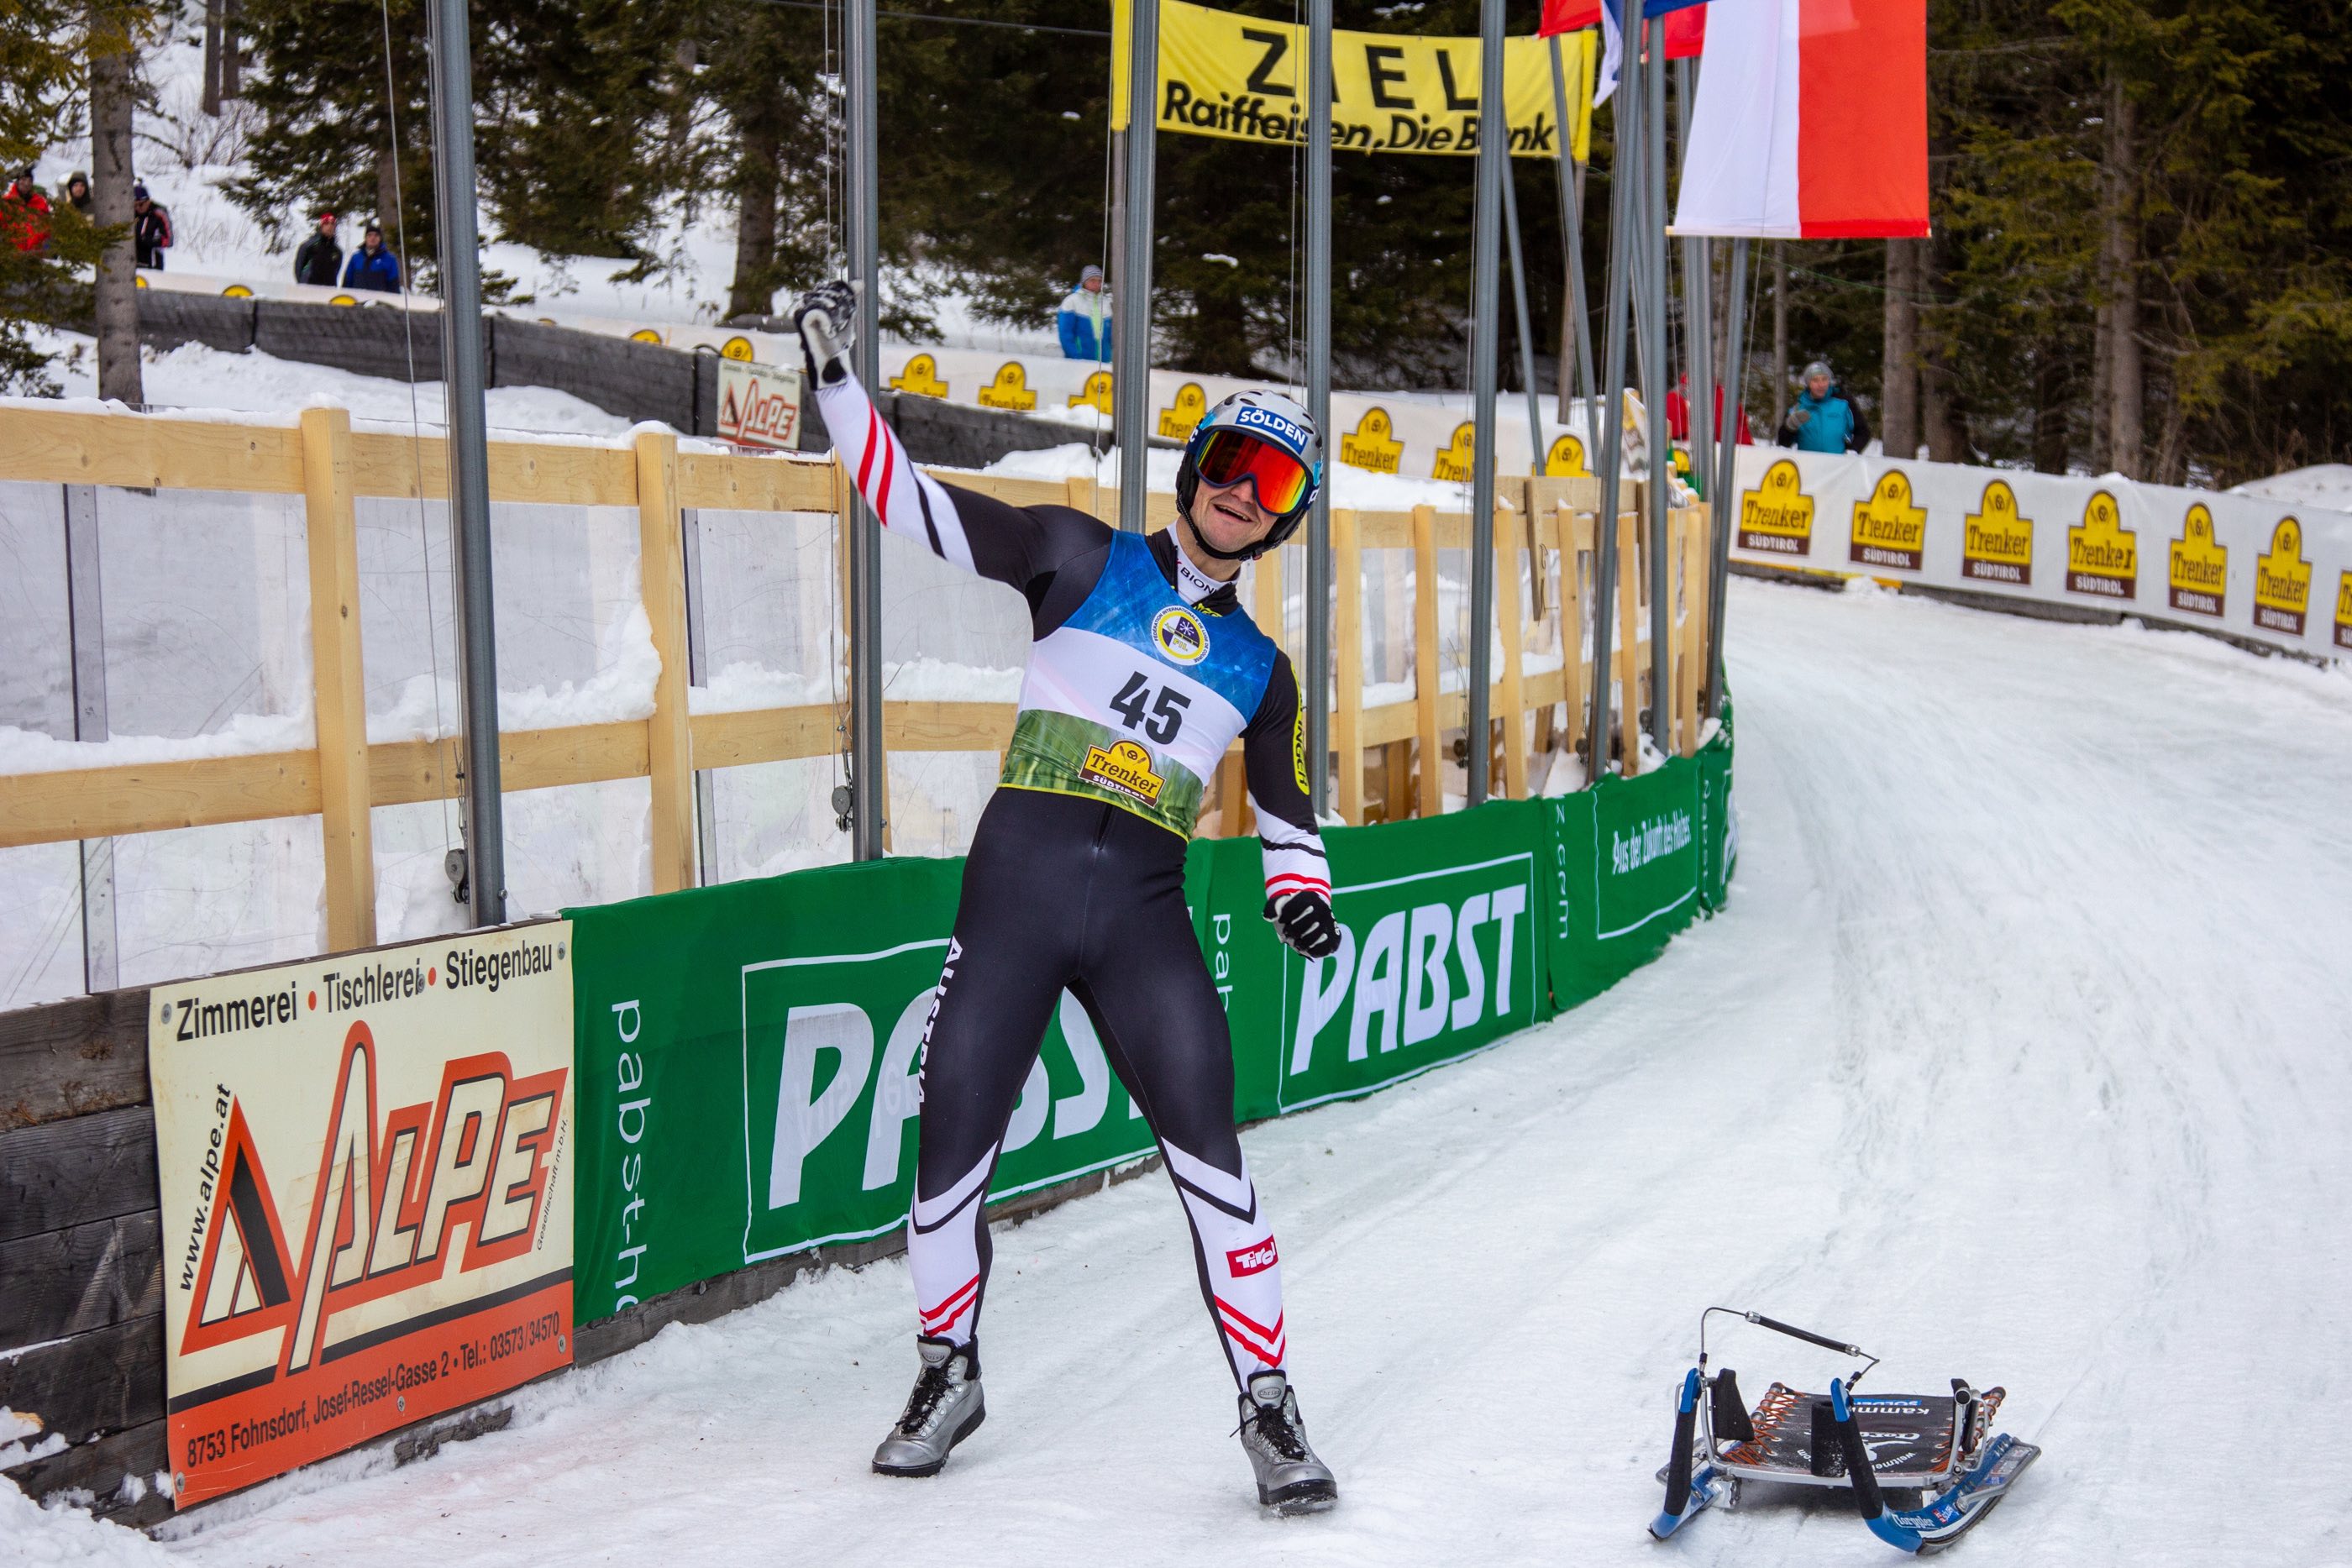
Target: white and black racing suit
{"x": 1144, "y": 670}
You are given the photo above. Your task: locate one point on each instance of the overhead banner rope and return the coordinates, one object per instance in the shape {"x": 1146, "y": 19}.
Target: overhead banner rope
{"x": 1243, "y": 78}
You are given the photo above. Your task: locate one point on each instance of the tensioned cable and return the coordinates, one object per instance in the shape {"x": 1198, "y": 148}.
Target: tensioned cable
{"x": 415, "y": 425}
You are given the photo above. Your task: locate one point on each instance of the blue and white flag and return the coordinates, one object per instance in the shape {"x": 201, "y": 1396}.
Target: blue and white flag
{"x": 1605, "y": 81}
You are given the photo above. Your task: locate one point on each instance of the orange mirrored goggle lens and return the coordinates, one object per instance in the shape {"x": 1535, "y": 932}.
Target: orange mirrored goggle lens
{"x": 1230, "y": 456}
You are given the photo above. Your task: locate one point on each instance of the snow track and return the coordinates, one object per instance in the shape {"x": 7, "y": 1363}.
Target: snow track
{"x": 2023, "y": 1054}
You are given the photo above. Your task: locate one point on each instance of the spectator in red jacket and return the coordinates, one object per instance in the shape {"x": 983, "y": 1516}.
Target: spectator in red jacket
{"x": 24, "y": 214}
{"x": 1678, "y": 414}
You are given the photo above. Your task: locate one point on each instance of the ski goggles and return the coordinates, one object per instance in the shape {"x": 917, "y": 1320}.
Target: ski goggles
{"x": 1229, "y": 456}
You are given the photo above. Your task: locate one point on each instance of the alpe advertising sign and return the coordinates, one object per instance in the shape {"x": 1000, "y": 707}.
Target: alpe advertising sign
{"x": 366, "y": 1199}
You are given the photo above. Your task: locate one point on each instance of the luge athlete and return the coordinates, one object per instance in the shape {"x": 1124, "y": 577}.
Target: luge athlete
{"x": 1144, "y": 670}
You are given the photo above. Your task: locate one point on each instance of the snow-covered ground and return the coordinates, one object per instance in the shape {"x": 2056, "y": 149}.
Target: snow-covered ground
{"x": 186, "y": 158}
{"x": 2022, "y": 1055}
{"x": 2323, "y": 484}
{"x": 193, "y": 376}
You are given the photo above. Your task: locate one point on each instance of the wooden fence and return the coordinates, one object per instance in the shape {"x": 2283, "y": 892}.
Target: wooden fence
{"x": 1391, "y": 758}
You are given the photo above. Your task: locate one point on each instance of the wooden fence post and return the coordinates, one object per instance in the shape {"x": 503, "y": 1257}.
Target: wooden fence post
{"x": 1696, "y": 554}
{"x": 1507, "y": 533}
{"x": 1430, "y": 798}
{"x": 1348, "y": 666}
{"x": 1629, "y": 661}
{"x": 669, "y": 746}
{"x": 338, "y": 679}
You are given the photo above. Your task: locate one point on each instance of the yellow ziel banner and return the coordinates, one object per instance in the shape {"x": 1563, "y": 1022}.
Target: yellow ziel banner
{"x": 1244, "y": 78}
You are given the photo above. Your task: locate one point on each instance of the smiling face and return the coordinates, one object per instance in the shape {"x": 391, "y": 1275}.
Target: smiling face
{"x": 1819, "y": 386}
{"x": 1228, "y": 516}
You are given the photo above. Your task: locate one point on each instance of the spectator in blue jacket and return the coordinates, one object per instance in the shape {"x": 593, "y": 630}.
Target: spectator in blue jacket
{"x": 1084, "y": 320}
{"x": 1822, "y": 419}
{"x": 373, "y": 265}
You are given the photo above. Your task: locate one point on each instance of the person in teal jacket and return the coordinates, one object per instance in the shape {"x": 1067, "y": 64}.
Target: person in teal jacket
{"x": 1823, "y": 419}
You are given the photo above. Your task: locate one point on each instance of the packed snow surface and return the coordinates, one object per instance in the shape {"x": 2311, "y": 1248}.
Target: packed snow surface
{"x": 2327, "y": 485}
{"x": 2022, "y": 1055}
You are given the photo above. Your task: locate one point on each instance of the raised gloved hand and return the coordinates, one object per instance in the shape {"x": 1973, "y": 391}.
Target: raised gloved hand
{"x": 826, "y": 319}
{"x": 1305, "y": 922}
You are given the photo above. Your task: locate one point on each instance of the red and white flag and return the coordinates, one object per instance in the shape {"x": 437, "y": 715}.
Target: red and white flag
{"x": 1811, "y": 122}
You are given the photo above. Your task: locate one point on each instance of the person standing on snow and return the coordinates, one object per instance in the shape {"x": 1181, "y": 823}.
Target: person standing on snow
{"x": 1822, "y": 419}
{"x": 1084, "y": 320}
{"x": 78, "y": 191}
{"x": 1145, "y": 668}
{"x": 321, "y": 255}
{"x": 373, "y": 265}
{"x": 27, "y": 219}
{"x": 150, "y": 228}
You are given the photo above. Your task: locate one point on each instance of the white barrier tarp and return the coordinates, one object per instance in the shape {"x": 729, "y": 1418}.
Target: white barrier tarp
{"x": 2265, "y": 570}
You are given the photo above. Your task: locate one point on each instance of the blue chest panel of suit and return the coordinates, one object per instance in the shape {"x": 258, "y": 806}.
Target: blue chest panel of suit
{"x": 1136, "y": 697}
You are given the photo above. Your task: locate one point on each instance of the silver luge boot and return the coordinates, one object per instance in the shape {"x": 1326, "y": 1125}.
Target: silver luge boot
{"x": 944, "y": 1409}
{"x": 1290, "y": 1478}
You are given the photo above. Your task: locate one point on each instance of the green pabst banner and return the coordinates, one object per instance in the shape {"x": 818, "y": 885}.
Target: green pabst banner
{"x": 1439, "y": 954}
{"x": 748, "y": 1057}
{"x": 747, "y": 1054}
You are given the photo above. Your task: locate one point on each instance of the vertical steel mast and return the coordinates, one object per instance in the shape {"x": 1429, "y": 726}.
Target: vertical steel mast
{"x": 863, "y": 206}
{"x": 470, "y": 473}
{"x": 1652, "y": 36}
{"x": 1316, "y": 683}
{"x": 1624, "y": 177}
{"x": 1131, "y": 373}
{"x": 1485, "y": 339}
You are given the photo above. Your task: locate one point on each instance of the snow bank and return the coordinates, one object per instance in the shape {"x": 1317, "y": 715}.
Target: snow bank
{"x": 2325, "y": 485}
{"x": 206, "y": 383}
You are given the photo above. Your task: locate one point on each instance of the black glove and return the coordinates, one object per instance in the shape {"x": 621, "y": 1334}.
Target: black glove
{"x": 1306, "y": 922}
{"x": 826, "y": 319}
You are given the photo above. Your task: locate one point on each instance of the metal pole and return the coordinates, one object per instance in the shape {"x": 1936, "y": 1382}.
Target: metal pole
{"x": 1624, "y": 174}
{"x": 1726, "y": 500}
{"x": 469, "y": 472}
{"x": 862, "y": 208}
{"x": 1131, "y": 376}
{"x": 1662, "y": 467}
{"x": 1571, "y": 209}
{"x": 1485, "y": 308}
{"x": 1698, "y": 313}
{"x": 85, "y": 634}
{"x": 1318, "y": 402}
{"x": 1519, "y": 306}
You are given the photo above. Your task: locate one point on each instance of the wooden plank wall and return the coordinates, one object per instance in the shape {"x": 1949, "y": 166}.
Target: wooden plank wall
{"x": 81, "y": 1255}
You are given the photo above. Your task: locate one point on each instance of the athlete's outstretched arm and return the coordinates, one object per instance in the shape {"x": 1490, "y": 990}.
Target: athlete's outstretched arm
{"x": 1017, "y": 545}
{"x": 1274, "y": 758}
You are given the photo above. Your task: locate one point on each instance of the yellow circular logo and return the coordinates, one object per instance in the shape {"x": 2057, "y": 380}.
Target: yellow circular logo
{"x": 738, "y": 348}
{"x": 1179, "y": 635}
{"x": 342, "y": 299}
{"x": 237, "y": 291}
{"x": 645, "y": 335}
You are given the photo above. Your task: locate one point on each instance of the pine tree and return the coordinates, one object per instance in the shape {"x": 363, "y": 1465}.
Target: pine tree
{"x": 43, "y": 78}
{"x": 340, "y": 129}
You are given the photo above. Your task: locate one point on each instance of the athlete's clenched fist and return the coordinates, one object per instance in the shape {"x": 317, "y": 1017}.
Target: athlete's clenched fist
{"x": 826, "y": 319}
{"x": 1304, "y": 920}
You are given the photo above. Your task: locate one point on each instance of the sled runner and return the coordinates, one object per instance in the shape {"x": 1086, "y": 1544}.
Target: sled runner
{"x": 1940, "y": 1446}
